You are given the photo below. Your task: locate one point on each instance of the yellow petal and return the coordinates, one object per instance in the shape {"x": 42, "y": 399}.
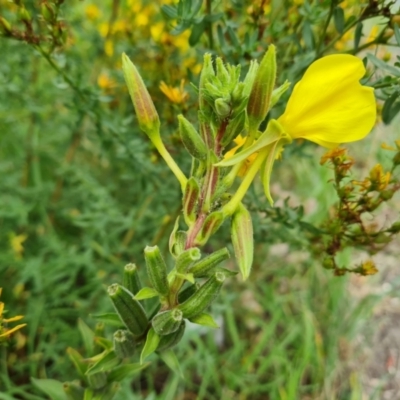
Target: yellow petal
{"x": 10, "y": 331}
{"x": 13, "y": 319}
{"x": 329, "y": 105}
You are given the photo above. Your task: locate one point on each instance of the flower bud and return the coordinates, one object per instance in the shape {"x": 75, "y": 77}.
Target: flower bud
{"x": 186, "y": 258}
{"x": 206, "y": 73}
{"x": 222, "y": 108}
{"x": 146, "y": 113}
{"x": 260, "y": 95}
{"x": 24, "y": 14}
{"x": 124, "y": 344}
{"x": 5, "y": 26}
{"x": 210, "y": 226}
{"x": 167, "y": 322}
{"x": 156, "y": 269}
{"x": 242, "y": 239}
{"x": 168, "y": 341}
{"x": 47, "y": 12}
{"x": 97, "y": 380}
{"x": 203, "y": 267}
{"x": 190, "y": 198}
{"x": 129, "y": 310}
{"x": 191, "y": 139}
{"x": 206, "y": 294}
{"x": 131, "y": 280}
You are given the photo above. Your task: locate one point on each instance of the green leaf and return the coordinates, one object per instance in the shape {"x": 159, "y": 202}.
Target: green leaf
{"x": 170, "y": 358}
{"x": 106, "y": 363}
{"x": 146, "y": 293}
{"x": 308, "y": 36}
{"x": 338, "y": 18}
{"x": 188, "y": 277}
{"x": 111, "y": 319}
{"x": 390, "y": 108}
{"x": 358, "y": 35}
{"x": 77, "y": 360}
{"x": 169, "y": 11}
{"x": 150, "y": 346}
{"x": 52, "y": 388}
{"x": 103, "y": 342}
{"x": 87, "y": 336}
{"x": 123, "y": 371}
{"x": 197, "y": 31}
{"x": 382, "y": 65}
{"x": 205, "y": 320}
{"x": 397, "y": 33}
{"x": 88, "y": 394}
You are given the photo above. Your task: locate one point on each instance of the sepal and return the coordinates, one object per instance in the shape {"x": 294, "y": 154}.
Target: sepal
{"x": 203, "y": 267}
{"x": 210, "y": 226}
{"x": 190, "y": 199}
{"x": 131, "y": 280}
{"x": 191, "y": 139}
{"x": 156, "y": 269}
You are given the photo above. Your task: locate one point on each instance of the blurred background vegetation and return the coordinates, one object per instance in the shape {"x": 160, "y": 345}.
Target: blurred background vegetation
{"x": 82, "y": 192}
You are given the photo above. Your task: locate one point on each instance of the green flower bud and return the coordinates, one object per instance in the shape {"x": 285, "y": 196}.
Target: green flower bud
{"x": 5, "y": 26}
{"x": 197, "y": 303}
{"x": 210, "y": 226}
{"x": 222, "y": 73}
{"x": 260, "y": 95}
{"x": 73, "y": 391}
{"x": 171, "y": 340}
{"x": 190, "y": 198}
{"x": 242, "y": 239}
{"x": 124, "y": 344}
{"x": 222, "y": 108}
{"x": 47, "y": 12}
{"x": 156, "y": 269}
{"x": 24, "y": 14}
{"x": 191, "y": 139}
{"x": 129, "y": 310}
{"x": 146, "y": 113}
{"x": 97, "y": 380}
{"x": 328, "y": 263}
{"x": 131, "y": 280}
{"x": 167, "y": 322}
{"x": 203, "y": 267}
{"x": 186, "y": 258}
{"x": 207, "y": 73}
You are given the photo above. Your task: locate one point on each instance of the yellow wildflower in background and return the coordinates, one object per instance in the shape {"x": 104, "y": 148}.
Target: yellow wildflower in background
{"x": 176, "y": 95}
{"x": 240, "y": 141}
{"x": 105, "y": 82}
{"x": 4, "y": 331}
{"x": 329, "y": 106}
{"x": 16, "y": 243}
{"x": 92, "y": 12}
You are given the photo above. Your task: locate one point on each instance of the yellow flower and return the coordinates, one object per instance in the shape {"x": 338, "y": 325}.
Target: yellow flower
{"x": 92, "y": 12}
{"x": 176, "y": 95}
{"x": 105, "y": 82}
{"x": 240, "y": 141}
{"x": 329, "y": 106}
{"x": 16, "y": 242}
{"x": 4, "y": 331}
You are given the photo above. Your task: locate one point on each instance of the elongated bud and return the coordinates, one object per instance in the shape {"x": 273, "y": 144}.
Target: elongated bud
{"x": 167, "y": 322}
{"x": 124, "y": 344}
{"x": 190, "y": 199}
{"x": 222, "y": 108}
{"x": 210, "y": 226}
{"x": 260, "y": 95}
{"x": 191, "y": 139}
{"x": 47, "y": 12}
{"x": 131, "y": 280}
{"x": 206, "y": 73}
{"x": 197, "y": 303}
{"x": 242, "y": 239}
{"x": 24, "y": 14}
{"x": 203, "y": 267}
{"x": 234, "y": 128}
{"x": 146, "y": 113}
{"x": 129, "y": 310}
{"x": 186, "y": 258}
{"x": 156, "y": 269}
{"x": 73, "y": 391}
{"x": 171, "y": 340}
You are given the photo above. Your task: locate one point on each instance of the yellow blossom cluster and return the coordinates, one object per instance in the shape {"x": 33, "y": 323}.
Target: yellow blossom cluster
{"x": 6, "y": 332}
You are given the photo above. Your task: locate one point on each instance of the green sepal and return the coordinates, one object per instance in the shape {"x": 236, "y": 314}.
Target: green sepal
{"x": 187, "y": 277}
{"x": 73, "y": 390}
{"x": 278, "y": 92}
{"x": 146, "y": 293}
{"x": 131, "y": 279}
{"x": 186, "y": 258}
{"x": 204, "y": 319}
{"x": 104, "y": 343}
{"x": 273, "y": 133}
{"x": 211, "y": 224}
{"x": 190, "y": 200}
{"x": 203, "y": 297}
{"x": 167, "y": 322}
{"x": 206, "y": 74}
{"x": 263, "y": 85}
{"x": 129, "y": 310}
{"x": 152, "y": 341}
{"x": 124, "y": 344}
{"x": 191, "y": 139}
{"x": 177, "y": 240}
{"x": 156, "y": 269}
{"x": 208, "y": 264}
{"x": 171, "y": 340}
{"x": 107, "y": 362}
{"x": 242, "y": 239}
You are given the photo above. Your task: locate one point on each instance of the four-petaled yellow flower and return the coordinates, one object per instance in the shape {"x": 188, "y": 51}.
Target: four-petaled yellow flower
{"x": 329, "y": 106}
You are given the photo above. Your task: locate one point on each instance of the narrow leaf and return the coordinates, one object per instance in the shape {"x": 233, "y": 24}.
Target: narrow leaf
{"x": 111, "y": 319}
{"x": 108, "y": 362}
{"x": 150, "y": 346}
{"x": 205, "y": 320}
{"x": 123, "y": 371}
{"x": 146, "y": 293}
{"x": 52, "y": 388}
